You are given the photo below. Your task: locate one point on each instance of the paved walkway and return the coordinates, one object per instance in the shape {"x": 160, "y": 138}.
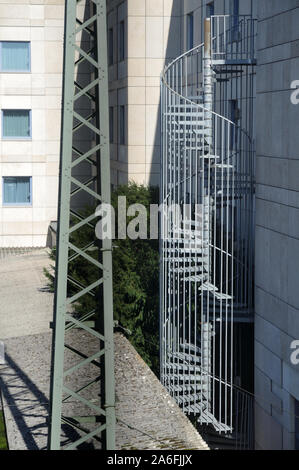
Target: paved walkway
{"x": 147, "y": 416}
{"x": 26, "y": 306}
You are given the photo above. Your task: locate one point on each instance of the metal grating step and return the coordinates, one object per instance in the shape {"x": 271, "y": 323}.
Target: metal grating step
{"x": 192, "y": 347}
{"x": 221, "y": 166}
{"x": 234, "y": 62}
{"x": 182, "y": 399}
{"x": 208, "y": 287}
{"x": 185, "y": 379}
{"x": 183, "y": 367}
{"x": 193, "y": 388}
{"x": 186, "y": 357}
{"x": 208, "y": 417}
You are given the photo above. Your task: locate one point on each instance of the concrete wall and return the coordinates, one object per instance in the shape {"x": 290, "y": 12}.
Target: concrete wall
{"x": 41, "y": 23}
{"x": 277, "y": 224}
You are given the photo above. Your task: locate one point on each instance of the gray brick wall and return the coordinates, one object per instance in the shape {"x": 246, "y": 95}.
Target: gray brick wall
{"x": 277, "y": 224}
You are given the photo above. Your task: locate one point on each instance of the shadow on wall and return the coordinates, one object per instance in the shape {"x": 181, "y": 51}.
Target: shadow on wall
{"x": 173, "y": 50}
{"x": 83, "y": 138}
{"x": 118, "y": 73}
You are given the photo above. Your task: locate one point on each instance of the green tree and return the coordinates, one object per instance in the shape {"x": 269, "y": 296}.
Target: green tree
{"x": 135, "y": 277}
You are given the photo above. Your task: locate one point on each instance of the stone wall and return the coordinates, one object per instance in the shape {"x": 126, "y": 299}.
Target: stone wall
{"x": 277, "y": 224}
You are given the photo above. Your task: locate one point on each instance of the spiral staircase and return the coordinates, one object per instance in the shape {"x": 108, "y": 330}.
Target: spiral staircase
{"x": 207, "y": 227}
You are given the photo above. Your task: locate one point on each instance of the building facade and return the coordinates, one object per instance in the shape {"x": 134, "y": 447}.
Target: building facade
{"x": 277, "y": 227}
{"x": 144, "y": 36}
{"x": 31, "y": 40}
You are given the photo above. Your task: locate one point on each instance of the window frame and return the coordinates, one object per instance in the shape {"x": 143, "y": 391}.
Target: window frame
{"x": 122, "y": 133}
{"x": 235, "y": 15}
{"x": 190, "y": 30}
{"x": 234, "y": 118}
{"x": 111, "y": 124}
{"x": 15, "y": 138}
{"x": 121, "y": 41}
{"x": 17, "y": 204}
{"x": 110, "y": 46}
{"x": 210, "y": 11}
{"x": 20, "y": 70}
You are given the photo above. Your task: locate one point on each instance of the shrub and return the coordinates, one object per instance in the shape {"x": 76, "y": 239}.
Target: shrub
{"x": 135, "y": 278}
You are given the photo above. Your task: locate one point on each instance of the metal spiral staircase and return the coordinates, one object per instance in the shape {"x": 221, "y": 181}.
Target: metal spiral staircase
{"x": 207, "y": 223}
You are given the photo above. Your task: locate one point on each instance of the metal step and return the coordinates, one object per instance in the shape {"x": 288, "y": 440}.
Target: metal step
{"x": 195, "y": 98}
{"x": 192, "y": 347}
{"x": 185, "y": 379}
{"x": 192, "y": 233}
{"x": 184, "y": 114}
{"x": 184, "y": 368}
{"x": 206, "y": 132}
{"x": 183, "y": 106}
{"x": 188, "y": 269}
{"x": 186, "y": 357}
{"x": 196, "y": 408}
{"x": 193, "y": 388}
{"x": 182, "y": 261}
{"x": 209, "y": 418}
{"x": 184, "y": 250}
{"x": 197, "y": 278}
{"x": 234, "y": 62}
{"x": 221, "y": 166}
{"x": 203, "y": 132}
{"x": 208, "y": 287}
{"x": 187, "y": 243}
{"x": 182, "y": 399}
{"x": 222, "y": 296}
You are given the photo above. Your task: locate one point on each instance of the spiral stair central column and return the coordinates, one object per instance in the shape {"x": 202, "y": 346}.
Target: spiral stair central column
{"x": 208, "y": 83}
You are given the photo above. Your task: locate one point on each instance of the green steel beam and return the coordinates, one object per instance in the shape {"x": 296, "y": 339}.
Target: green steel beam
{"x": 85, "y": 56}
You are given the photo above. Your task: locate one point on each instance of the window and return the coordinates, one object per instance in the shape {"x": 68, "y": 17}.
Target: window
{"x": 110, "y": 47}
{"x": 234, "y": 111}
{"x": 16, "y": 124}
{"x": 234, "y": 116}
{"x": 111, "y": 124}
{"x": 121, "y": 41}
{"x": 14, "y": 56}
{"x": 210, "y": 9}
{"x": 17, "y": 190}
{"x": 190, "y": 31}
{"x": 296, "y": 425}
{"x": 234, "y": 7}
{"x": 122, "y": 125}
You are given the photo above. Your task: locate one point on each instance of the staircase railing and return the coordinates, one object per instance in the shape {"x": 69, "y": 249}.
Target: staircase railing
{"x": 233, "y": 37}
{"x": 206, "y": 168}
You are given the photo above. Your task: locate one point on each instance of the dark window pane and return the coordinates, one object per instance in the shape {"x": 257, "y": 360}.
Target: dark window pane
{"x": 16, "y": 190}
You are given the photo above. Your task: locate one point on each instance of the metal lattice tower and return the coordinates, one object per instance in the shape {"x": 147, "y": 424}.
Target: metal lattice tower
{"x": 82, "y": 390}
{"x": 207, "y": 250}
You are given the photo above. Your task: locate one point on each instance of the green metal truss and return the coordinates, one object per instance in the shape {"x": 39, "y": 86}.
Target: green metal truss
{"x": 82, "y": 384}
